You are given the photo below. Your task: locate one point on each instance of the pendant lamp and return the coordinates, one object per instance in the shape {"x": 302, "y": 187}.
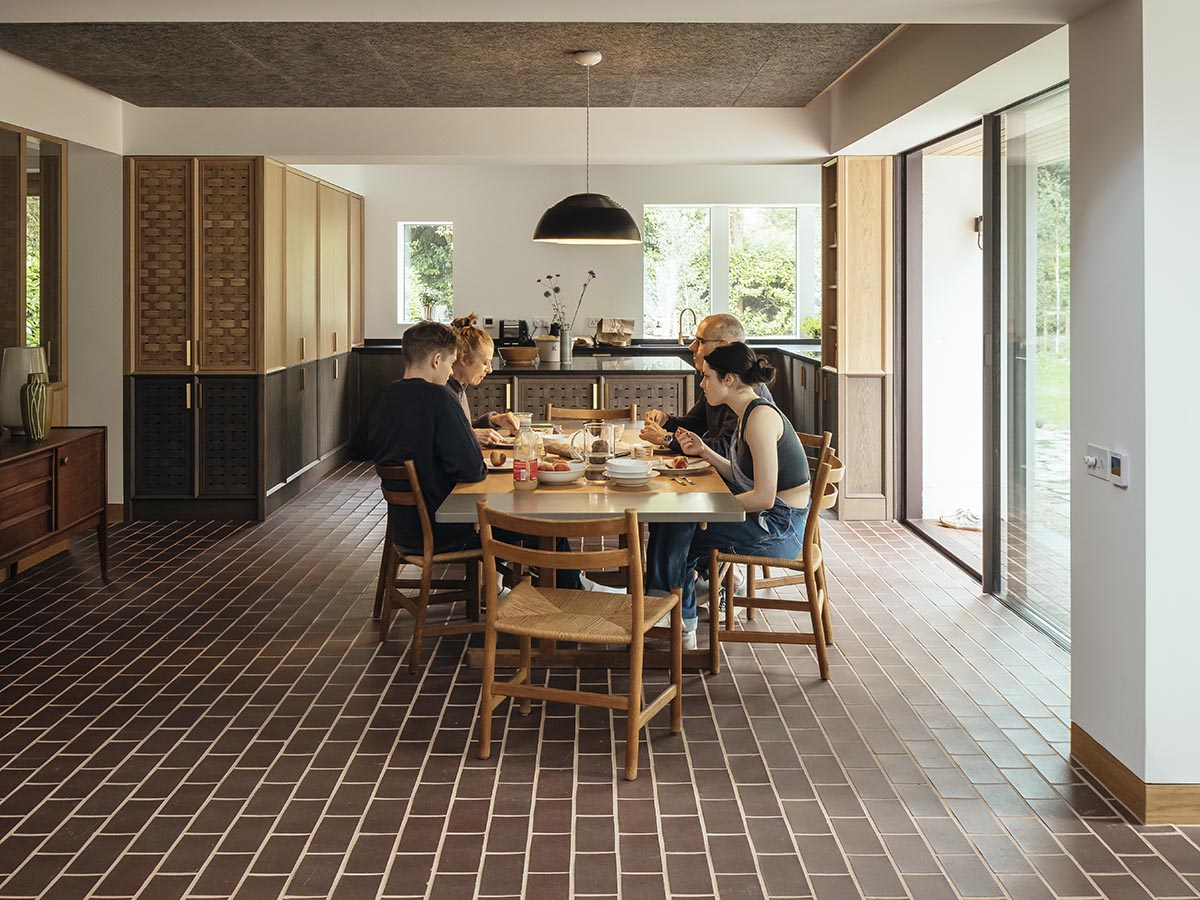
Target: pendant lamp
{"x": 587, "y": 218}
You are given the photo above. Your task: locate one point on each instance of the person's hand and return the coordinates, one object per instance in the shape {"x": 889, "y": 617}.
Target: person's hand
{"x": 504, "y": 420}
{"x": 654, "y": 434}
{"x": 656, "y": 417}
{"x": 690, "y": 443}
{"x": 488, "y": 436}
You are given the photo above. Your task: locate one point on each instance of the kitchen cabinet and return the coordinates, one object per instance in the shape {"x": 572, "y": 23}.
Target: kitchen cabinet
{"x": 300, "y": 240}
{"x": 492, "y": 395}
{"x": 334, "y": 381}
{"x": 648, "y": 392}
{"x": 163, "y": 436}
{"x": 228, "y": 303}
{"x": 227, "y": 413}
{"x": 276, "y": 429}
{"x": 333, "y": 322}
{"x": 578, "y": 393}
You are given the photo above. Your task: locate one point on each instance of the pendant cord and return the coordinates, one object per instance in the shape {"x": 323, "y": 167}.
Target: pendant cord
{"x": 588, "y": 156}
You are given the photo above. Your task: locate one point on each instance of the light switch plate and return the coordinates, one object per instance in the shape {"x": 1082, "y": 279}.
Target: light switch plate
{"x": 1096, "y": 461}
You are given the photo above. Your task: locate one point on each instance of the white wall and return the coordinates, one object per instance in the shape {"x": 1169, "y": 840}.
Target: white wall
{"x": 41, "y": 100}
{"x": 494, "y": 210}
{"x": 952, "y": 321}
{"x": 95, "y": 299}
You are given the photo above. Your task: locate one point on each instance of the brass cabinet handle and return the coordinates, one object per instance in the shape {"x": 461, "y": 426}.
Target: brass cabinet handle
{"x": 64, "y": 460}
{"x": 302, "y": 349}
{"x": 595, "y": 396}
{"x": 335, "y": 342}
{"x": 187, "y": 351}
{"x": 187, "y": 396}
{"x": 302, "y": 379}
{"x": 335, "y": 368}
{"x": 508, "y": 396}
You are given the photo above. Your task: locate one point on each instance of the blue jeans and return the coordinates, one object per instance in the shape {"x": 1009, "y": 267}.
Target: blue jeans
{"x": 677, "y": 548}
{"x": 447, "y": 538}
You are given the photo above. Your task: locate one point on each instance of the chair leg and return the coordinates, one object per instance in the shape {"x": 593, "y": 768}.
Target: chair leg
{"x": 826, "y": 617}
{"x": 414, "y": 653}
{"x": 473, "y": 583}
{"x": 385, "y": 559}
{"x": 677, "y": 667}
{"x": 390, "y": 569}
{"x": 634, "y": 710}
{"x": 751, "y": 612}
{"x": 714, "y": 623}
{"x": 485, "y": 693}
{"x": 810, "y": 585}
{"x": 527, "y": 668}
{"x": 729, "y": 607}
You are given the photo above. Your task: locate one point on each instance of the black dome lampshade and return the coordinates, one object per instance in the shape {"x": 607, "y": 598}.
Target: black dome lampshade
{"x": 587, "y": 218}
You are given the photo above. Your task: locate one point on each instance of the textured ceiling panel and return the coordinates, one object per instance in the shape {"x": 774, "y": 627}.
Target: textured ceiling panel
{"x": 396, "y": 64}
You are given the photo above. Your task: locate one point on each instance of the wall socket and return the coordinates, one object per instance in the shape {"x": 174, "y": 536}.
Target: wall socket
{"x": 593, "y": 321}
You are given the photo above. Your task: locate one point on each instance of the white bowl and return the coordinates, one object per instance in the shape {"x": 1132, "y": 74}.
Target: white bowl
{"x": 547, "y": 476}
{"x": 629, "y": 466}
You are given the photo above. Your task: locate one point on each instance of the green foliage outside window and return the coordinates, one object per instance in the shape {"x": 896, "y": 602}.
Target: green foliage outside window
{"x": 762, "y": 269}
{"x": 678, "y": 266}
{"x": 33, "y": 272}
{"x": 429, "y": 272}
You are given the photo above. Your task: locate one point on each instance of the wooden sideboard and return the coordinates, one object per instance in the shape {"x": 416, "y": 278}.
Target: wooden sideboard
{"x": 51, "y": 490}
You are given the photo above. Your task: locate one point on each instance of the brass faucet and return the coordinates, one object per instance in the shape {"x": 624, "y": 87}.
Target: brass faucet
{"x": 682, "y": 335}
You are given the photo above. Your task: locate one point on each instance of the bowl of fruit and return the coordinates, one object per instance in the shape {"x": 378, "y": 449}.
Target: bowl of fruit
{"x": 563, "y": 472}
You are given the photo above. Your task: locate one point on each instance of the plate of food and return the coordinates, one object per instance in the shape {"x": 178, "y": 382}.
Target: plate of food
{"x": 503, "y": 442}
{"x": 684, "y": 465}
{"x": 498, "y": 461}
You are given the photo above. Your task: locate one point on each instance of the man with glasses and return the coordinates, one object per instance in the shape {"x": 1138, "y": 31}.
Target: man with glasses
{"x": 715, "y": 425}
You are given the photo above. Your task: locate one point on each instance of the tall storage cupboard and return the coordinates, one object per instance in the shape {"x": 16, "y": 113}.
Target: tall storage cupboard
{"x": 224, "y": 305}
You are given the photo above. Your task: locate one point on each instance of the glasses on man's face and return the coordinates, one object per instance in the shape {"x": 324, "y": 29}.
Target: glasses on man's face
{"x": 702, "y": 341}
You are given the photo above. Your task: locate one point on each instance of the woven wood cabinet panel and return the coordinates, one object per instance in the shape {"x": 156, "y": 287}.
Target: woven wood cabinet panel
{"x": 667, "y": 394}
{"x": 163, "y": 437}
{"x": 535, "y": 393}
{"x": 494, "y": 395}
{"x": 228, "y": 436}
{"x": 161, "y": 277}
{"x": 228, "y": 302}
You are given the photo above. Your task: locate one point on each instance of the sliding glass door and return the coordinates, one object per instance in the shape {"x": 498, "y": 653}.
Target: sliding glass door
{"x": 986, "y": 349}
{"x": 1034, "y": 296}
{"x": 942, "y": 321}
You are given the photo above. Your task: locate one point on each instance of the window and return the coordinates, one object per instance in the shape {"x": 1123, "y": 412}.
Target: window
{"x": 426, "y": 271}
{"x": 761, "y": 263}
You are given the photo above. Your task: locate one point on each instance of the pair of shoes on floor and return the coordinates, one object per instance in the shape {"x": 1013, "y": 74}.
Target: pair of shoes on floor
{"x": 702, "y": 583}
{"x": 703, "y": 607}
{"x": 689, "y": 637}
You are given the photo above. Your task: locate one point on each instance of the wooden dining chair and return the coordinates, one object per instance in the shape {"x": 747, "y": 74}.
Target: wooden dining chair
{"x": 389, "y": 592}
{"x": 586, "y": 617}
{"x": 808, "y": 569}
{"x": 590, "y": 415}
{"x": 837, "y": 470}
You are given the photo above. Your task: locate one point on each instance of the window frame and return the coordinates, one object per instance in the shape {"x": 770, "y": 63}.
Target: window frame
{"x": 402, "y": 318}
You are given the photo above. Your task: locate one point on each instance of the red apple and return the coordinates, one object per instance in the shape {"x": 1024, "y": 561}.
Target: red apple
{"x": 498, "y": 458}
{"x": 681, "y": 463}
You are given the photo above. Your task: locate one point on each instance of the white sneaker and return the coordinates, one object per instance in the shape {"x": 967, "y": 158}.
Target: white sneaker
{"x": 689, "y": 637}
{"x": 739, "y": 579}
{"x": 589, "y": 585}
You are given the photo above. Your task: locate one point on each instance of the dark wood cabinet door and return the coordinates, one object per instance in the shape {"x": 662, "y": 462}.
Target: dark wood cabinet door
{"x": 293, "y": 404}
{"x": 228, "y": 413}
{"x": 163, "y": 436}
{"x": 228, "y": 312}
{"x": 648, "y": 392}
{"x": 276, "y": 428}
{"x": 576, "y": 393}
{"x": 493, "y": 395}
{"x": 79, "y": 483}
{"x": 161, "y": 264}
{"x": 333, "y": 402}
{"x": 309, "y": 432}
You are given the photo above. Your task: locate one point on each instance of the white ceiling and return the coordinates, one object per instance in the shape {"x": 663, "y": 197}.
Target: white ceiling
{"x": 914, "y": 11}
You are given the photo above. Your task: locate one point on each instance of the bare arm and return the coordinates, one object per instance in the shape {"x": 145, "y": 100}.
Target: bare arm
{"x": 691, "y": 444}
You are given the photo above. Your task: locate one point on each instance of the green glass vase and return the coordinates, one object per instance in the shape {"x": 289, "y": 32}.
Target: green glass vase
{"x": 35, "y": 407}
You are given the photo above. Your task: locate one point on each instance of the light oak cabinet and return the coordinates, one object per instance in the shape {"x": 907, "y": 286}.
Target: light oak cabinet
{"x": 333, "y": 320}
{"x": 856, "y": 329}
{"x": 300, "y": 227}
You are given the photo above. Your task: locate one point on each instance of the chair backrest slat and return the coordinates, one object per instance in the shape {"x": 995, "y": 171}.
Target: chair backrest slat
{"x": 407, "y": 474}
{"x": 585, "y": 415}
{"x": 817, "y": 495}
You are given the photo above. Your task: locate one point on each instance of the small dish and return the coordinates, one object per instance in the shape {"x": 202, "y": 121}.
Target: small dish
{"x": 549, "y": 476}
{"x": 694, "y": 467}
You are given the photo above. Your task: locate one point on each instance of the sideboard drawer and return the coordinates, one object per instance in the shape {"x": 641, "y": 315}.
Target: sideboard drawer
{"x": 20, "y": 531}
{"x": 18, "y": 501}
{"x": 24, "y": 471}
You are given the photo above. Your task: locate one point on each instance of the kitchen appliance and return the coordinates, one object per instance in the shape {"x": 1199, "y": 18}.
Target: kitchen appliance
{"x": 512, "y": 333}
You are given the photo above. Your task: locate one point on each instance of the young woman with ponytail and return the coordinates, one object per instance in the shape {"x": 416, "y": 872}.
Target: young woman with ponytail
{"x": 765, "y": 467}
{"x": 474, "y": 362}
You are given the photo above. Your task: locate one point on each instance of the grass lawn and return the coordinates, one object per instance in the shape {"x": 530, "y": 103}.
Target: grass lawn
{"x": 1053, "y": 387}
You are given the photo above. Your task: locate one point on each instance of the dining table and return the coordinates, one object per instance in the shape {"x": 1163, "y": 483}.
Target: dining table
{"x": 700, "y": 498}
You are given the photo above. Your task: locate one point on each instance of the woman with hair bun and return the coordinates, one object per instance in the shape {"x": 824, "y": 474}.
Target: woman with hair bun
{"x": 474, "y": 362}
{"x": 765, "y": 467}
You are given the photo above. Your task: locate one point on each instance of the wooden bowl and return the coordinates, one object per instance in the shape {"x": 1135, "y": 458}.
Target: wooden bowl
{"x": 519, "y": 356}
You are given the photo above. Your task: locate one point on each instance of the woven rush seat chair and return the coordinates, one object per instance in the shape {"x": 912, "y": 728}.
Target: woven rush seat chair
{"x": 589, "y": 415}
{"x": 837, "y": 470}
{"x": 586, "y": 617}
{"x": 808, "y": 570}
{"x": 428, "y": 590}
